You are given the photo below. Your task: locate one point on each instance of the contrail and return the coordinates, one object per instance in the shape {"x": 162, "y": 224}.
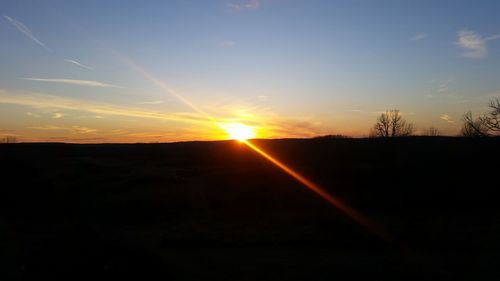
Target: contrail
{"x": 159, "y": 83}
{"x": 89, "y": 83}
{"x": 78, "y": 64}
{"x": 26, "y": 31}
{"x": 166, "y": 88}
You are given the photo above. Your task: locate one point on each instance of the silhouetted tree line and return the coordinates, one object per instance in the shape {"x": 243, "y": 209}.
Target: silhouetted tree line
{"x": 338, "y": 136}
{"x": 392, "y": 124}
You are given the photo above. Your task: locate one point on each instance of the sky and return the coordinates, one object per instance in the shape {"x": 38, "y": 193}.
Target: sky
{"x": 161, "y": 71}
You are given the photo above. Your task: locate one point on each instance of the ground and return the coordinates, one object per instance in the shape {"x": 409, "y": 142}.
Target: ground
{"x": 219, "y": 211}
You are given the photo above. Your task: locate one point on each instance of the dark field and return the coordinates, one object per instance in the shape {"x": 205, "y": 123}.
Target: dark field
{"x": 219, "y": 211}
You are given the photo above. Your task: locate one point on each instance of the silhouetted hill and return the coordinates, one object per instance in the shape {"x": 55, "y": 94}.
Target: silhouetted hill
{"x": 219, "y": 211}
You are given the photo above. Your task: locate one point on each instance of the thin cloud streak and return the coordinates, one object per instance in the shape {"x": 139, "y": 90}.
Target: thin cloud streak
{"x": 78, "y": 64}
{"x": 88, "y": 83}
{"x": 73, "y": 129}
{"x": 26, "y": 31}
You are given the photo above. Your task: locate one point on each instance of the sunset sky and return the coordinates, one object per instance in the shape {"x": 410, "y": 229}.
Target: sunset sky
{"x": 147, "y": 71}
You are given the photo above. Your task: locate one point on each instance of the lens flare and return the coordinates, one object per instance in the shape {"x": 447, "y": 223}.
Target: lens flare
{"x": 238, "y": 131}
{"x": 352, "y": 213}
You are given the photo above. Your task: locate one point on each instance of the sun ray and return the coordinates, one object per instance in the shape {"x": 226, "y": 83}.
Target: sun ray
{"x": 352, "y": 213}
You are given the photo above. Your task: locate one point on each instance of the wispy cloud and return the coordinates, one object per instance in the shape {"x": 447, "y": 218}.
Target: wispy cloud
{"x": 152, "y": 102}
{"x": 88, "y": 83}
{"x": 47, "y": 128}
{"x": 57, "y": 115}
{"x": 446, "y": 118}
{"x": 244, "y": 5}
{"x": 275, "y": 125}
{"x": 472, "y": 43}
{"x": 227, "y": 44}
{"x": 26, "y": 31}
{"x": 419, "y": 36}
{"x": 78, "y": 64}
{"x": 73, "y": 129}
{"x": 82, "y": 130}
{"x": 37, "y": 100}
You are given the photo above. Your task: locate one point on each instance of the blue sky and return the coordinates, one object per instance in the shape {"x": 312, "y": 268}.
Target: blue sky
{"x": 71, "y": 70}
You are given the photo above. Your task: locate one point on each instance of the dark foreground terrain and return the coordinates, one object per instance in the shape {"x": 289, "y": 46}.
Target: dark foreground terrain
{"x": 219, "y": 211}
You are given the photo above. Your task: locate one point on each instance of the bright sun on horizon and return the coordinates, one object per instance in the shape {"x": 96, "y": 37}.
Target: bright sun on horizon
{"x": 238, "y": 131}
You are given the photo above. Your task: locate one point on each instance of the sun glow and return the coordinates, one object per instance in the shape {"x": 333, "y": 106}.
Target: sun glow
{"x": 238, "y": 131}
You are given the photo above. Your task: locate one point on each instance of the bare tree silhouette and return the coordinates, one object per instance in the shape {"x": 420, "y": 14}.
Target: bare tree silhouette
{"x": 492, "y": 119}
{"x": 391, "y": 124}
{"x": 483, "y": 126}
{"x": 473, "y": 127}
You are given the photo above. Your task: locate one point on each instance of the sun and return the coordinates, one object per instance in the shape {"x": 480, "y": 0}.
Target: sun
{"x": 238, "y": 131}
